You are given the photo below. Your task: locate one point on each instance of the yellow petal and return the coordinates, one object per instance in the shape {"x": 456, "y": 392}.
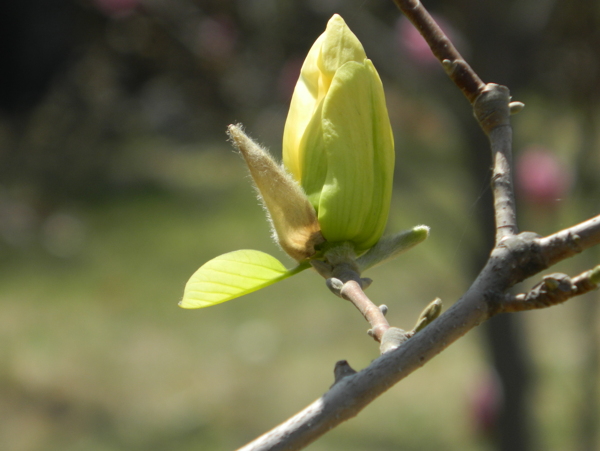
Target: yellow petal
{"x": 305, "y": 101}
{"x": 339, "y": 47}
{"x": 335, "y": 47}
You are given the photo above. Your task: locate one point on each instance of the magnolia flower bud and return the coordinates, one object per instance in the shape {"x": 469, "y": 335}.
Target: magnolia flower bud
{"x": 338, "y": 139}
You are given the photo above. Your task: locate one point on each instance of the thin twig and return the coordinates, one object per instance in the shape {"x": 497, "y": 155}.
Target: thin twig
{"x": 454, "y": 64}
{"x": 554, "y": 289}
{"x": 352, "y": 291}
{"x": 490, "y": 114}
{"x": 343, "y": 279}
{"x": 571, "y": 241}
{"x": 492, "y": 111}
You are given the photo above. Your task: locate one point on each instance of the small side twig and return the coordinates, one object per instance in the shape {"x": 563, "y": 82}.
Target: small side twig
{"x": 454, "y": 64}
{"x": 349, "y": 286}
{"x": 571, "y": 241}
{"x": 554, "y": 289}
{"x": 388, "y": 337}
{"x": 352, "y": 291}
{"x": 341, "y": 370}
{"x": 343, "y": 279}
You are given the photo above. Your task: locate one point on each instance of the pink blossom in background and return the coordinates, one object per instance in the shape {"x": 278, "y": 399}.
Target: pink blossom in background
{"x": 416, "y": 48}
{"x": 485, "y": 402}
{"x": 540, "y": 177}
{"x": 217, "y": 38}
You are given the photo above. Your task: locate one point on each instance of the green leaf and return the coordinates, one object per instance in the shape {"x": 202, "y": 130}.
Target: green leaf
{"x": 232, "y": 275}
{"x": 391, "y": 246}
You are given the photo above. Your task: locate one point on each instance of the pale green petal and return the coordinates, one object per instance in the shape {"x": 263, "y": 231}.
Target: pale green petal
{"x": 384, "y": 159}
{"x": 355, "y": 200}
{"x": 305, "y": 101}
{"x": 335, "y": 47}
{"x": 339, "y": 47}
{"x": 232, "y": 275}
{"x": 338, "y": 140}
{"x": 313, "y": 156}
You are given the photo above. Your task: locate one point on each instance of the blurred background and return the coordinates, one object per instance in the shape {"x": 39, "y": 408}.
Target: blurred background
{"x": 117, "y": 183}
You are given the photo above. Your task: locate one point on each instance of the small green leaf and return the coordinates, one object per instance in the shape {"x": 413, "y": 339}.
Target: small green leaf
{"x": 391, "y": 246}
{"x": 232, "y": 275}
